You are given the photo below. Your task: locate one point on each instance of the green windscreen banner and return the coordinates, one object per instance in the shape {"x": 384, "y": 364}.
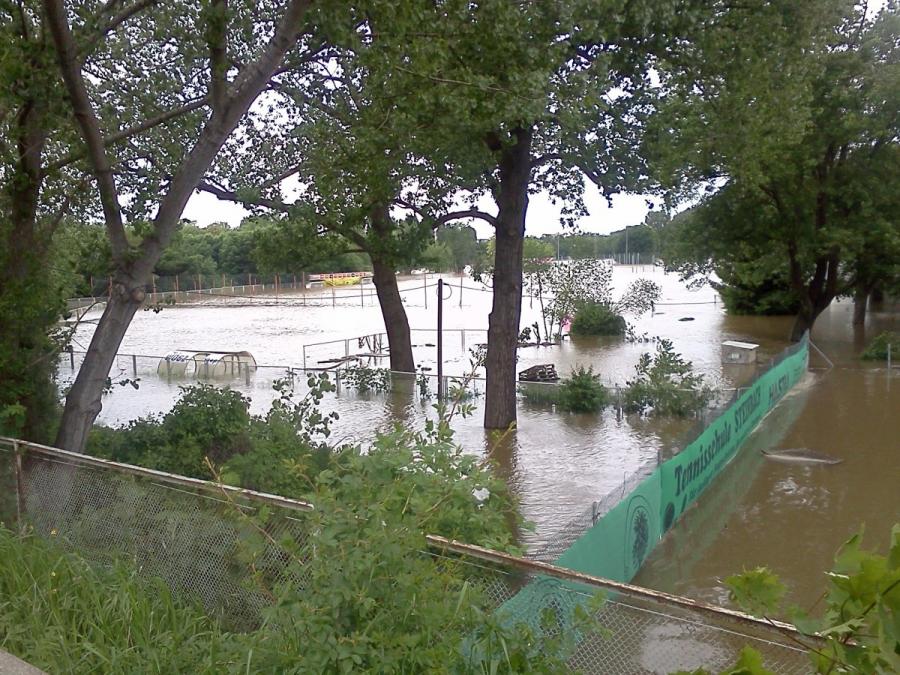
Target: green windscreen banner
{"x": 616, "y": 546}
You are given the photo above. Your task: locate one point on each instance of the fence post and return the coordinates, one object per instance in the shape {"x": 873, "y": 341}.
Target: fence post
{"x": 247, "y": 374}
{"x": 20, "y": 488}
{"x": 333, "y": 302}
{"x": 889, "y": 357}
{"x": 337, "y": 381}
{"x": 347, "y": 347}
{"x": 71, "y": 358}
{"x": 460, "y": 292}
{"x": 425, "y": 287}
{"x": 134, "y": 364}
{"x": 362, "y": 298}
{"x": 304, "y": 360}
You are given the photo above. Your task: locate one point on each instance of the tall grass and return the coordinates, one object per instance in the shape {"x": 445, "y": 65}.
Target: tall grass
{"x": 64, "y": 616}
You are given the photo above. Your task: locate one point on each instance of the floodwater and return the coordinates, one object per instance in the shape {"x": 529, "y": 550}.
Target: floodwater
{"x": 787, "y": 516}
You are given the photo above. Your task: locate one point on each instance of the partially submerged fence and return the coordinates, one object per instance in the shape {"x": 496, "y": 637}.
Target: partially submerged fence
{"x": 655, "y": 496}
{"x": 190, "y": 532}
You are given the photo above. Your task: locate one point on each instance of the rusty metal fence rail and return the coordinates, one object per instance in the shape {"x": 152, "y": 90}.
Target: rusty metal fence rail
{"x": 190, "y": 532}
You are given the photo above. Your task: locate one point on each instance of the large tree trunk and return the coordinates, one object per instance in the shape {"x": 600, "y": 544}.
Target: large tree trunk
{"x": 506, "y": 310}
{"x": 30, "y": 303}
{"x": 83, "y": 400}
{"x": 134, "y": 270}
{"x": 393, "y": 312}
{"x": 396, "y": 323}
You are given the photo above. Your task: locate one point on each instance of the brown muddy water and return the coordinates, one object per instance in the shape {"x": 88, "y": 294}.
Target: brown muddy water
{"x": 789, "y": 517}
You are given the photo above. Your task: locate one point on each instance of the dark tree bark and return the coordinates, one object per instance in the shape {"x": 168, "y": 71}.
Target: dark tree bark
{"x": 503, "y": 324}
{"x": 396, "y": 323}
{"x": 860, "y": 302}
{"x": 817, "y": 294}
{"x": 133, "y": 273}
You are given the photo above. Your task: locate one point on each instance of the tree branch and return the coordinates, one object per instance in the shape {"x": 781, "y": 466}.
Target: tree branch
{"x": 467, "y": 213}
{"x": 135, "y": 130}
{"x": 114, "y": 22}
{"x": 89, "y": 125}
{"x": 216, "y": 40}
{"x": 231, "y": 196}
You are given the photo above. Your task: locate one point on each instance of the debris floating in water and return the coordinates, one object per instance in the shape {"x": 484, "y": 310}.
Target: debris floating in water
{"x": 801, "y": 456}
{"x": 686, "y": 318}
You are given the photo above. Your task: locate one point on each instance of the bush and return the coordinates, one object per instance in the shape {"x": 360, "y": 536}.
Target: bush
{"x": 582, "y": 392}
{"x": 878, "y": 348}
{"x": 206, "y": 421}
{"x": 597, "y": 319}
{"x": 665, "y": 385}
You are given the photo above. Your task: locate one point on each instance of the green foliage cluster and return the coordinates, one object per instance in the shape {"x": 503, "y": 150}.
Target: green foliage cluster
{"x": 582, "y": 392}
{"x": 861, "y": 621}
{"x": 364, "y": 378}
{"x": 877, "y": 350}
{"x": 595, "y": 319}
{"x": 206, "y": 421}
{"x": 208, "y": 253}
{"x": 574, "y": 284}
{"x": 665, "y": 384}
{"x": 642, "y": 239}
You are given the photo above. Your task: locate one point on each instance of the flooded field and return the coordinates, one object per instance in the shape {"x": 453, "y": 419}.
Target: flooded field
{"x": 560, "y": 463}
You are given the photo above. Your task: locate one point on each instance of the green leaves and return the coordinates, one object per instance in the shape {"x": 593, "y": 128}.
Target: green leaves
{"x": 758, "y": 591}
{"x": 665, "y": 384}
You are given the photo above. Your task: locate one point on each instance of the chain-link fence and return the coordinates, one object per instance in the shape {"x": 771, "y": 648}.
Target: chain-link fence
{"x": 192, "y": 533}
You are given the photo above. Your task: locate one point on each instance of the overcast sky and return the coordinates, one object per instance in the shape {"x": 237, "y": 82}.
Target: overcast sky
{"x": 543, "y": 217}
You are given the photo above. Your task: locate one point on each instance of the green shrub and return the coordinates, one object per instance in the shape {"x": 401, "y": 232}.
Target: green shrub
{"x": 364, "y": 378}
{"x": 878, "y": 348}
{"x": 666, "y": 385}
{"x": 582, "y": 392}
{"x": 597, "y": 319}
{"x": 206, "y": 421}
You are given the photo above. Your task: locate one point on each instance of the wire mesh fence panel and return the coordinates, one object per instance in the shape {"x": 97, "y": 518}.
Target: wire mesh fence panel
{"x": 631, "y": 633}
{"x": 227, "y": 549}
{"x": 196, "y": 541}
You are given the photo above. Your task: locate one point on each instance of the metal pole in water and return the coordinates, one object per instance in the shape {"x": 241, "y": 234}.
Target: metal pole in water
{"x": 460, "y": 290}
{"x": 889, "y": 357}
{"x": 425, "y": 287}
{"x": 134, "y": 364}
{"x": 440, "y": 339}
{"x": 362, "y": 297}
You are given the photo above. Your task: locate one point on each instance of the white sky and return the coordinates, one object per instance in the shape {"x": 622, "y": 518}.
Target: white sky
{"x": 543, "y": 217}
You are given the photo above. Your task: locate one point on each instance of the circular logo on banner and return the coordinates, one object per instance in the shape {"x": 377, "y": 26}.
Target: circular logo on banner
{"x": 638, "y": 530}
